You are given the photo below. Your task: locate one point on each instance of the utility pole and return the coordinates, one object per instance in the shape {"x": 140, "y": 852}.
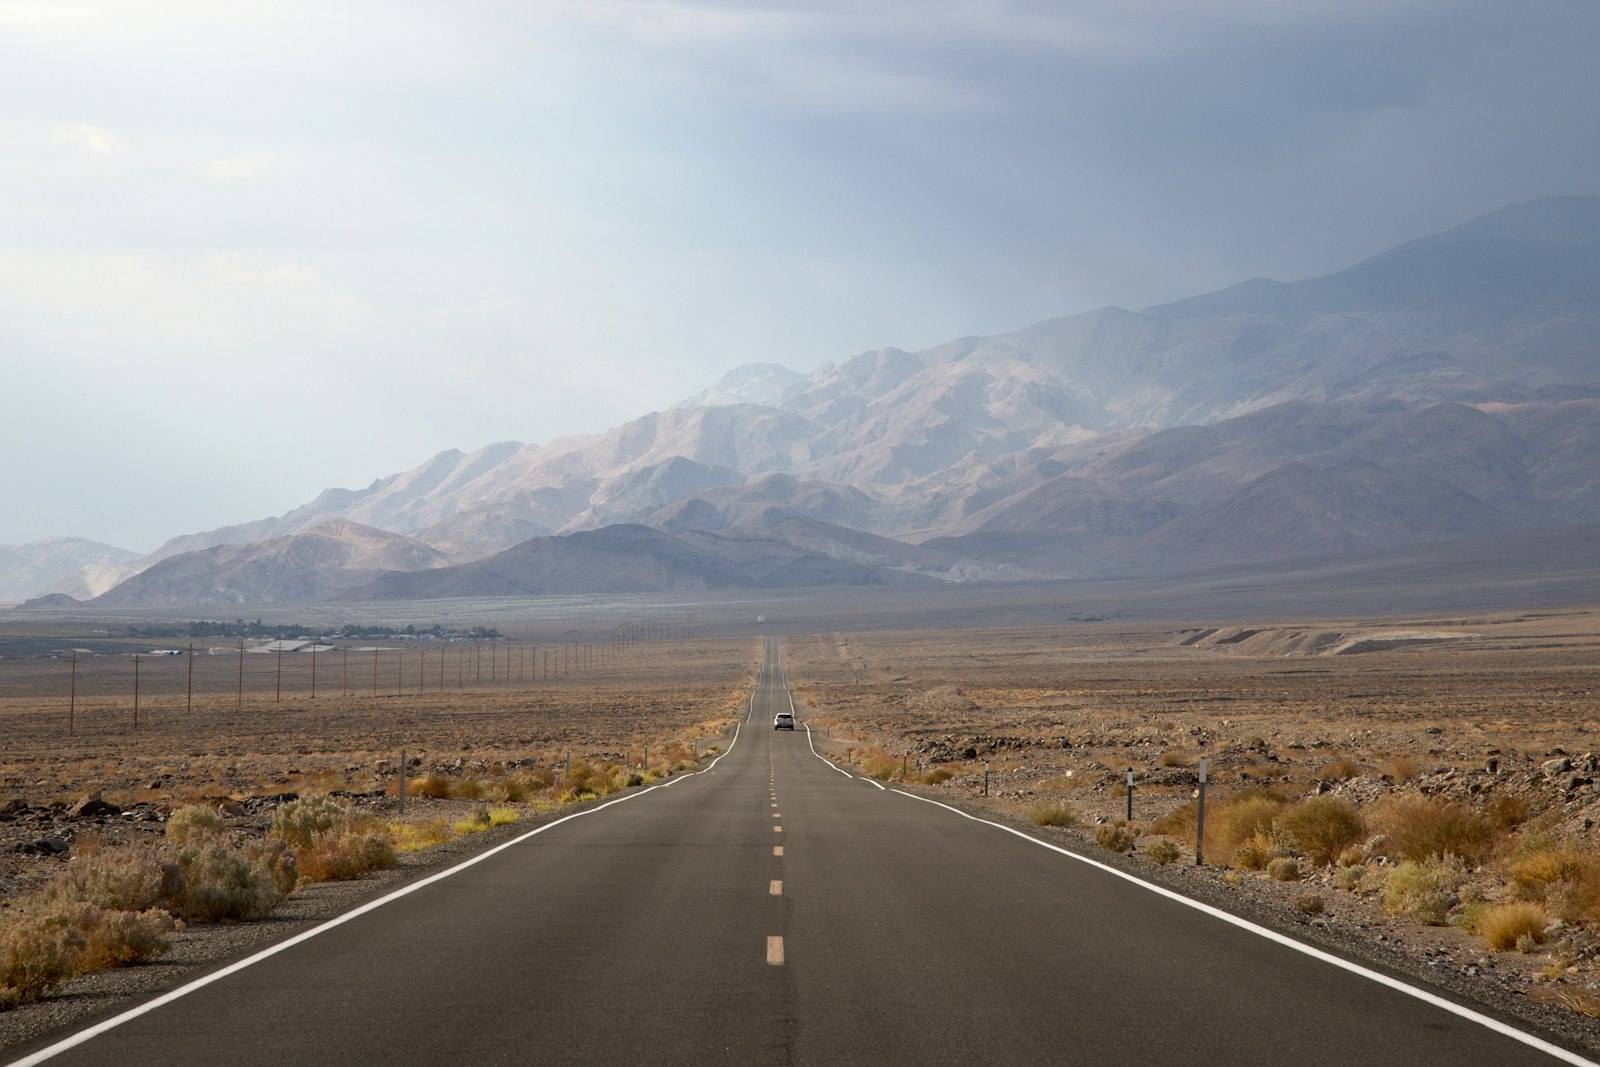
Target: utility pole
{"x": 72, "y": 699}
{"x": 238, "y": 701}
{"x": 136, "y": 690}
{"x": 188, "y": 696}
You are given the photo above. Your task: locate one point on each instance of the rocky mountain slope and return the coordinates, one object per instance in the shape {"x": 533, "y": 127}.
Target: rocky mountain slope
{"x": 307, "y": 568}
{"x": 1444, "y": 389}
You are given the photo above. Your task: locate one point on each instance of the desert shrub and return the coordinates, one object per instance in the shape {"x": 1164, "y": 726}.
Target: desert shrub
{"x": 343, "y": 856}
{"x": 503, "y": 816}
{"x": 1258, "y": 851}
{"x": 1308, "y": 904}
{"x": 1402, "y": 768}
{"x": 1048, "y": 813}
{"x": 1283, "y": 869}
{"x": 1162, "y": 851}
{"x": 36, "y": 956}
{"x": 193, "y": 823}
{"x": 1320, "y": 827}
{"x": 1424, "y": 891}
{"x": 1508, "y": 811}
{"x": 1510, "y": 925}
{"x": 1419, "y": 828}
{"x": 118, "y": 938}
{"x": 301, "y": 822}
{"x": 1349, "y": 878}
{"x": 1115, "y": 837}
{"x": 1562, "y": 876}
{"x": 1540, "y": 863}
{"x": 276, "y": 860}
{"x": 511, "y": 790}
{"x": 468, "y": 789}
{"x": 1243, "y": 818}
{"x": 1179, "y": 822}
{"x": 1175, "y": 757}
{"x": 434, "y": 787}
{"x": 221, "y": 883}
{"x": 131, "y": 879}
{"x": 1340, "y": 769}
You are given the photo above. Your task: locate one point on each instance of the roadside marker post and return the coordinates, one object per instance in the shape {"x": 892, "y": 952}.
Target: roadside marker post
{"x": 1200, "y": 817}
{"x": 402, "y": 783}
{"x": 1130, "y": 794}
{"x": 985, "y": 777}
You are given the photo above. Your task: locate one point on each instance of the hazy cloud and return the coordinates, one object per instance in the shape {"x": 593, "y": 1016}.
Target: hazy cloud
{"x": 329, "y": 240}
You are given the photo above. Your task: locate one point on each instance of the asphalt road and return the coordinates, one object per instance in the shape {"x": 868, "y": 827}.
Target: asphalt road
{"x": 775, "y": 910}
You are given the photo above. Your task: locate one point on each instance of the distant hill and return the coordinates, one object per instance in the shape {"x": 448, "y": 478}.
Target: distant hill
{"x": 1444, "y": 389}
{"x": 304, "y": 568}
{"x": 638, "y": 559}
{"x": 32, "y": 569}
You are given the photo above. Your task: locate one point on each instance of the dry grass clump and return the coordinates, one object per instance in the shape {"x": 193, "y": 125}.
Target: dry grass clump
{"x": 37, "y": 956}
{"x": 1283, "y": 869}
{"x": 340, "y": 857}
{"x": 416, "y": 836}
{"x": 1162, "y": 851}
{"x": 1424, "y": 891}
{"x": 191, "y": 824}
{"x": 1507, "y": 811}
{"x": 485, "y": 818}
{"x": 330, "y": 844}
{"x": 1308, "y": 904}
{"x": 220, "y": 882}
{"x": 1116, "y": 836}
{"x": 132, "y": 879}
{"x": 1239, "y": 827}
{"x": 300, "y": 822}
{"x": 1402, "y": 768}
{"x": 1420, "y": 828}
{"x": 1560, "y": 875}
{"x": 1518, "y": 925}
{"x": 1050, "y": 813}
{"x": 1340, "y": 769}
{"x": 1320, "y": 828}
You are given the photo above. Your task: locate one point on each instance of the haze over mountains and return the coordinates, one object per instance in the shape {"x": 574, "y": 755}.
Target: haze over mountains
{"x": 1446, "y": 389}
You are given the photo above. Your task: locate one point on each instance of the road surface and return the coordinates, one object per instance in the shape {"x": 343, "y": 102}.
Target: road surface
{"x": 777, "y": 910}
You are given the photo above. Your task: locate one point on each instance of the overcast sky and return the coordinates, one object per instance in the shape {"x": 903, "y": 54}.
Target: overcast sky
{"x": 251, "y": 250}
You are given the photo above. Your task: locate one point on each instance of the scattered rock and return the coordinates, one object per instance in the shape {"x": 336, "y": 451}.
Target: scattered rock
{"x": 92, "y": 805}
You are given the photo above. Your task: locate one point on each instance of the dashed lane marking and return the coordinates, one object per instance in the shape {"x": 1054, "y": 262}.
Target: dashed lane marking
{"x": 775, "y": 951}
{"x": 776, "y": 888}
{"x": 777, "y": 850}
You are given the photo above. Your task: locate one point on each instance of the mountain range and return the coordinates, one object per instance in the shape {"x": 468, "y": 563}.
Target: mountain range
{"x": 1446, "y": 389}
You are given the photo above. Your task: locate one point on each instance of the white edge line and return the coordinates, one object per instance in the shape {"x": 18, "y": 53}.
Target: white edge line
{"x": 1504, "y": 1029}
{"x": 880, "y": 785}
{"x": 821, "y": 757}
{"x": 96, "y": 1030}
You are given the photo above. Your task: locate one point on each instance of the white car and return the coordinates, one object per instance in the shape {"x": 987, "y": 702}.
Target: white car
{"x": 784, "y": 721}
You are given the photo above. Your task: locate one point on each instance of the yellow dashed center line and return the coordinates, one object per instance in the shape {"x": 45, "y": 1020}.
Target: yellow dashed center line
{"x": 776, "y": 888}
{"x": 775, "y": 951}
{"x": 777, "y": 850}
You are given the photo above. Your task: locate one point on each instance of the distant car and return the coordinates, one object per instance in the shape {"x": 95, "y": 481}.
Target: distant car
{"x": 784, "y": 721}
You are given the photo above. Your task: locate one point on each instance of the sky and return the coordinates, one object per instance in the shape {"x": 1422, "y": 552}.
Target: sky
{"x": 252, "y": 250}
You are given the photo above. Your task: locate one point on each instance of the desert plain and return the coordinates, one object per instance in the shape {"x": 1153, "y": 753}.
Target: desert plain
{"x": 1494, "y": 716}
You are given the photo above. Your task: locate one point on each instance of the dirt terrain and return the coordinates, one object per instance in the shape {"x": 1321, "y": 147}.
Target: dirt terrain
{"x": 605, "y": 706}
